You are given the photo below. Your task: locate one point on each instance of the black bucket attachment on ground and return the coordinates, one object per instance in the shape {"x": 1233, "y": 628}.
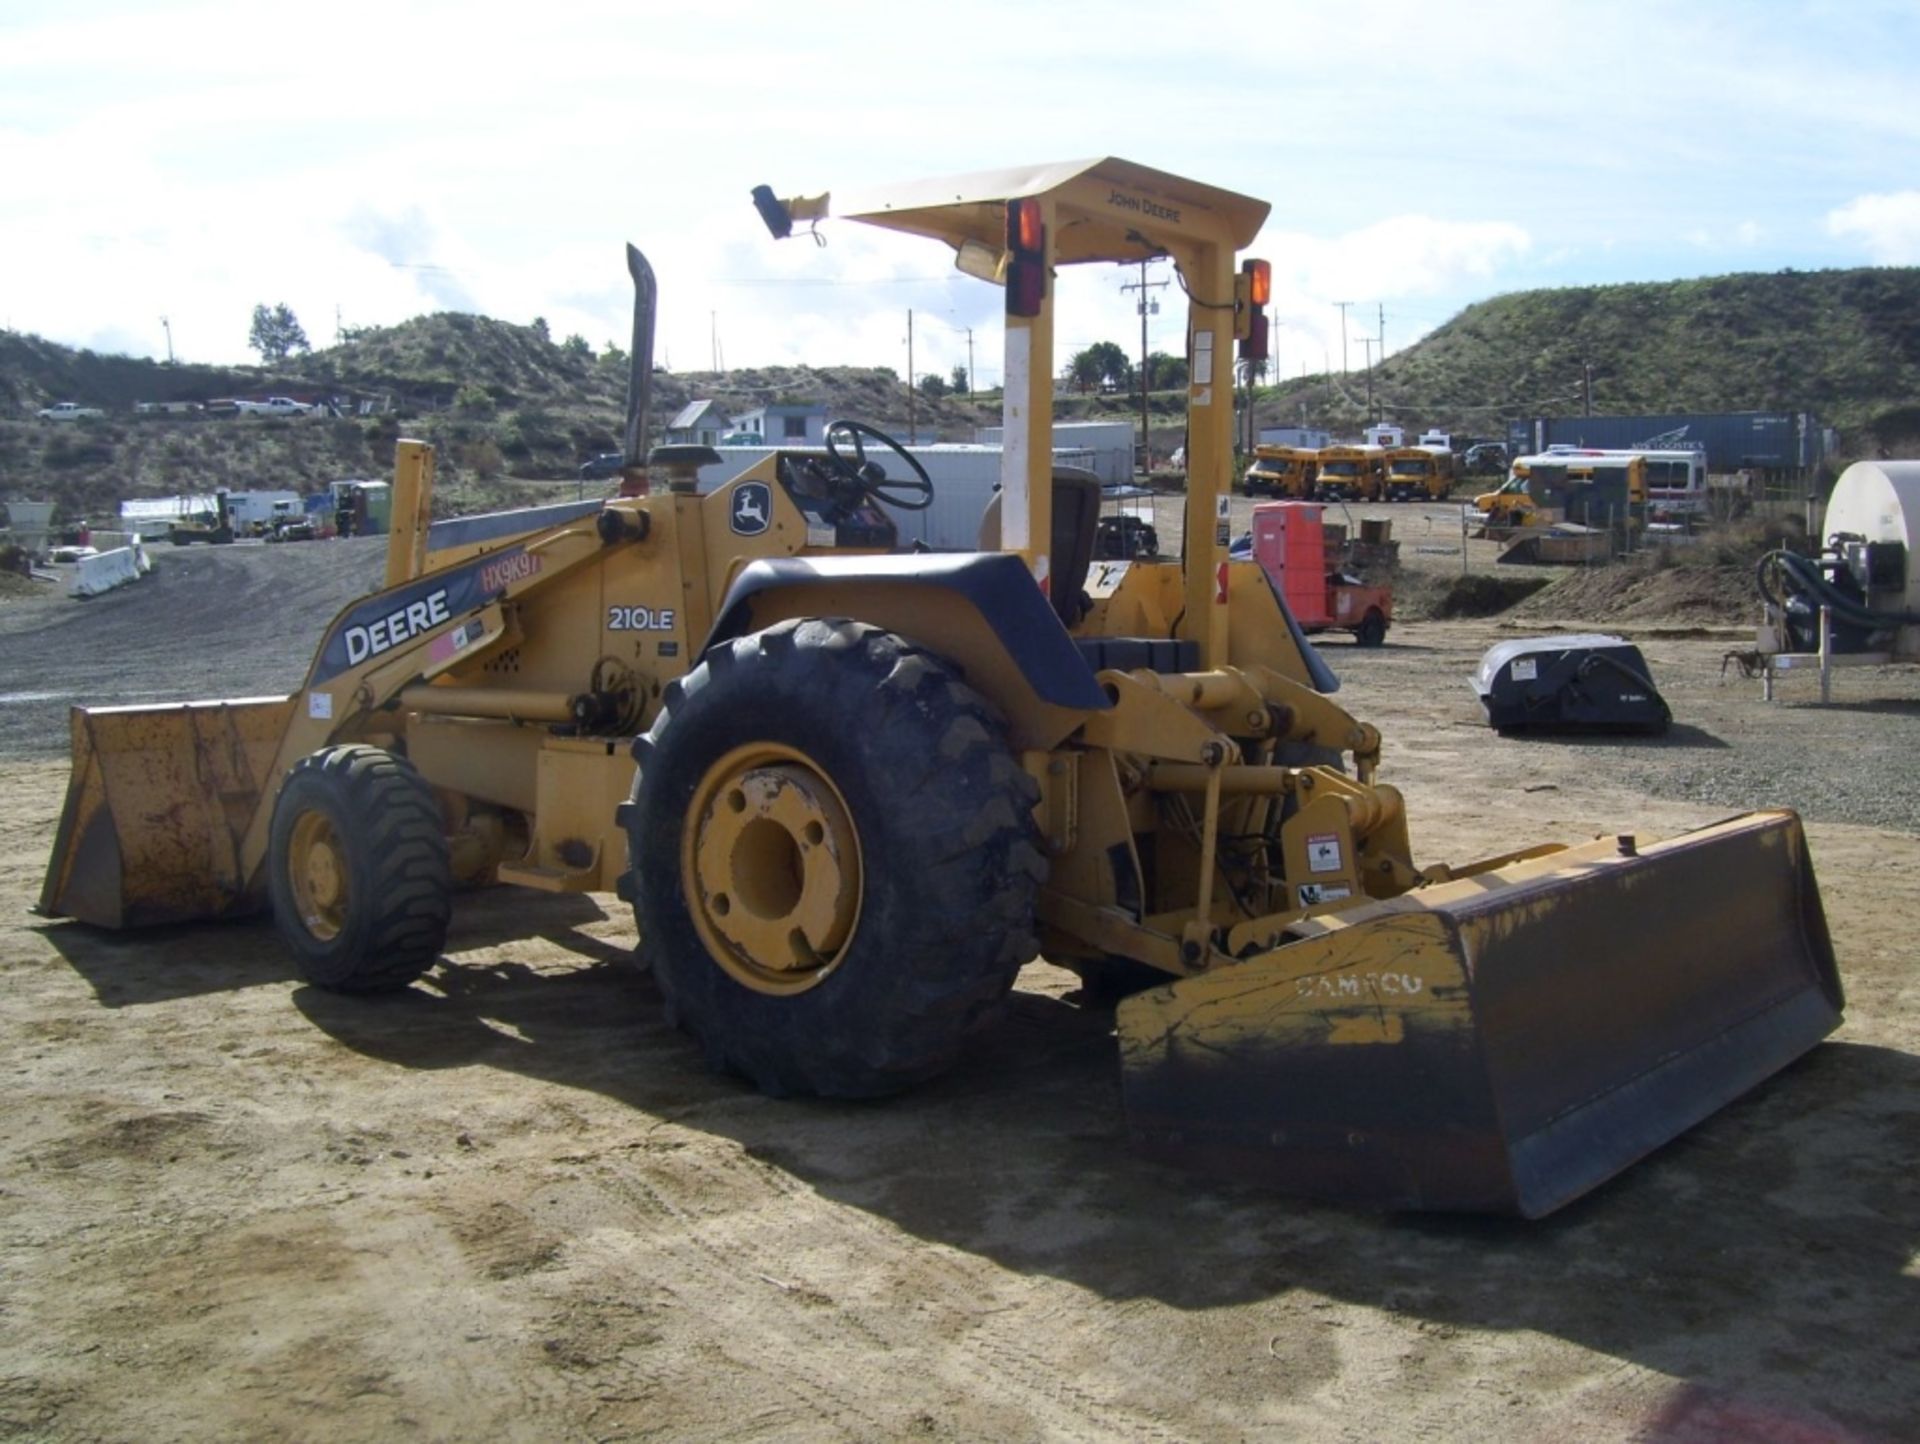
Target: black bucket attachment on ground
{"x": 1502, "y": 1043}
{"x": 1582, "y": 683}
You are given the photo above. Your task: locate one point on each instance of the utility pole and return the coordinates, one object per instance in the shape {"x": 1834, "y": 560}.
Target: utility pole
{"x": 713, "y": 339}
{"x": 972, "y": 386}
{"x": 167, "y": 326}
{"x": 913, "y": 438}
{"x": 1367, "y": 341}
{"x": 1146, "y": 308}
{"x": 1343, "y": 334}
{"x": 1586, "y": 368}
{"x": 1382, "y": 353}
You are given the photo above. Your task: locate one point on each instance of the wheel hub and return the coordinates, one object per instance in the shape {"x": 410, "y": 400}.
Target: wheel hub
{"x": 317, "y": 870}
{"x": 773, "y": 869}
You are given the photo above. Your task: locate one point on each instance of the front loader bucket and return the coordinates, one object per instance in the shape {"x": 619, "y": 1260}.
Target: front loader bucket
{"x": 1501, "y": 1043}
{"x": 157, "y": 807}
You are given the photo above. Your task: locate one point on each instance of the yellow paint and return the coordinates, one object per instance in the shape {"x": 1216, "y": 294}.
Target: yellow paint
{"x": 1362, "y": 986}
{"x": 771, "y": 868}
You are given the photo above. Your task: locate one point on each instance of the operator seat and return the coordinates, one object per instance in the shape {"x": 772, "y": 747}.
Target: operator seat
{"x": 1076, "y": 520}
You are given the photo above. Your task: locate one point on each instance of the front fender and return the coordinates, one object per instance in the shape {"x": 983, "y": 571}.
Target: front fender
{"x": 980, "y": 610}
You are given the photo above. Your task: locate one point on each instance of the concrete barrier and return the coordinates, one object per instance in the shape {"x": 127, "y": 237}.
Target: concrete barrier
{"x": 107, "y": 570}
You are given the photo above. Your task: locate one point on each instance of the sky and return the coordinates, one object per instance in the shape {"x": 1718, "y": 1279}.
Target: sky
{"x": 365, "y": 163}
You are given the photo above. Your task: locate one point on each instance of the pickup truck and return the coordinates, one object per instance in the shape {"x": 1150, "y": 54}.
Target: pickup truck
{"x": 273, "y": 406}
{"x": 70, "y": 411}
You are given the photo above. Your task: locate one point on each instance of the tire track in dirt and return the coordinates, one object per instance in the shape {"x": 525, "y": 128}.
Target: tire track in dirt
{"x": 744, "y": 1229}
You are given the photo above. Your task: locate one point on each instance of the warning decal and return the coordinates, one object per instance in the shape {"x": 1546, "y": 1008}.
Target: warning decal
{"x": 1323, "y": 852}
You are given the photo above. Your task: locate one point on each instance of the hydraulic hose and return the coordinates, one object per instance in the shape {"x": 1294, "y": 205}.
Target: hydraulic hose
{"x": 1803, "y": 576}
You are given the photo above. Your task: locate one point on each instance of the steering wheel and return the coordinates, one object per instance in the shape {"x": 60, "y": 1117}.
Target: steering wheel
{"x": 913, "y": 494}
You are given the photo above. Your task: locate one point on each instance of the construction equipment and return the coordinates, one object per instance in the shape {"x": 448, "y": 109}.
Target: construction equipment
{"x": 214, "y": 527}
{"x": 1292, "y": 547}
{"x": 1607, "y": 490}
{"x": 872, "y": 784}
{"x": 1585, "y": 683}
{"x": 1857, "y": 603}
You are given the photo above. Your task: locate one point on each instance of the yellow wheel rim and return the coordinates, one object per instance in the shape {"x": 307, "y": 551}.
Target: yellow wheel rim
{"x": 317, "y": 873}
{"x": 770, "y": 866}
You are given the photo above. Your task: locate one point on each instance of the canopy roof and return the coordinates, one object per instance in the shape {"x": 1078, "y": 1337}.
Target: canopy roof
{"x": 1106, "y": 209}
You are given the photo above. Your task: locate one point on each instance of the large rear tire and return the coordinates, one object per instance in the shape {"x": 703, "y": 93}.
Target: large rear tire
{"x": 833, "y": 857}
{"x": 358, "y": 870}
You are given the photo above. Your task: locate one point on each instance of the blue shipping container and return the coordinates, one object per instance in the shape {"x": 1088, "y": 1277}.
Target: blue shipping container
{"x": 1733, "y": 441}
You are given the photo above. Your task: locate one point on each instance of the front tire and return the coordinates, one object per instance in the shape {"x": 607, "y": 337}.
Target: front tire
{"x": 833, "y": 858}
{"x": 1372, "y": 631}
{"x": 359, "y": 870}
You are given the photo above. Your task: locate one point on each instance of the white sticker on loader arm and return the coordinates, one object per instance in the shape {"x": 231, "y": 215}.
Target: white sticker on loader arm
{"x": 1312, "y": 894}
{"x": 320, "y": 706}
{"x": 1323, "y": 852}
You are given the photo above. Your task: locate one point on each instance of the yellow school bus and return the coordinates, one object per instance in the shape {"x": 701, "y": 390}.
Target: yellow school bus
{"x": 1351, "y": 473}
{"x": 1418, "y": 473}
{"x": 1282, "y": 471}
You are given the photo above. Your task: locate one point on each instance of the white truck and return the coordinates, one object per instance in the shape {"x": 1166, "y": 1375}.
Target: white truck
{"x": 273, "y": 406}
{"x": 70, "y": 411}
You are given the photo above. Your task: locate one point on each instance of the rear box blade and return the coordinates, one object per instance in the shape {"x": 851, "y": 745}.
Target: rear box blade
{"x": 1502, "y": 1043}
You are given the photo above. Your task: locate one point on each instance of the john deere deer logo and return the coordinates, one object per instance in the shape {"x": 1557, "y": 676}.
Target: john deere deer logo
{"x": 752, "y": 506}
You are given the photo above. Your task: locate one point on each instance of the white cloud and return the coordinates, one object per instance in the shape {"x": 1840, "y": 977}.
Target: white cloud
{"x": 1887, "y": 226}
{"x": 1405, "y": 260}
{"x": 401, "y": 158}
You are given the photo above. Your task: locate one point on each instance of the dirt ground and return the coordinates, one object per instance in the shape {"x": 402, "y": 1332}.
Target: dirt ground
{"x": 511, "y": 1203}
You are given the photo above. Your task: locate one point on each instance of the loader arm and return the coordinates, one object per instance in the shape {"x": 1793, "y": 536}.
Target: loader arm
{"x": 169, "y": 807}
{"x": 436, "y": 628}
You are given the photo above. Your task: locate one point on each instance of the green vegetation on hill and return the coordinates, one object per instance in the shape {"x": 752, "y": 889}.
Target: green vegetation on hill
{"x": 1844, "y": 345}
{"x": 514, "y": 413}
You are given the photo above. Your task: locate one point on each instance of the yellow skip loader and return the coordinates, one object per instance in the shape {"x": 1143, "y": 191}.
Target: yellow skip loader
{"x": 871, "y": 785}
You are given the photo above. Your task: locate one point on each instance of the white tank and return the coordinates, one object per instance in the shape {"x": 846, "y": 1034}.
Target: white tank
{"x": 1880, "y": 500}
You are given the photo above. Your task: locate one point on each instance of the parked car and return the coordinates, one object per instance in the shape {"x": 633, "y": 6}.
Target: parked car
{"x": 292, "y": 529}
{"x": 601, "y": 465}
{"x": 70, "y": 411}
{"x": 273, "y": 406}
{"x": 167, "y": 408}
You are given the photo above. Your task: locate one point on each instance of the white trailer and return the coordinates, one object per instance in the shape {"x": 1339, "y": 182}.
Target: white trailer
{"x": 247, "y": 509}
